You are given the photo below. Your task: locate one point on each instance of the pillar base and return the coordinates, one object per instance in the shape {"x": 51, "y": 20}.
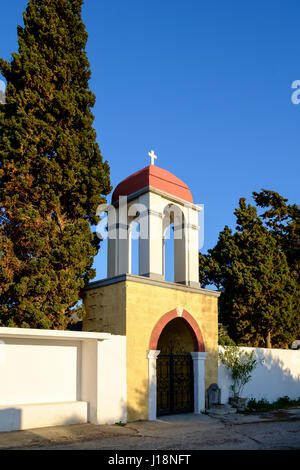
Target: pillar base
{"x": 199, "y": 381}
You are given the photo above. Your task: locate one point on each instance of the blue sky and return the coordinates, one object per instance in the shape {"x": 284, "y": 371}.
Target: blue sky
{"x": 206, "y": 84}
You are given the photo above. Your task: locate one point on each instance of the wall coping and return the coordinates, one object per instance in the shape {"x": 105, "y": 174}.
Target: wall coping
{"x": 32, "y": 333}
{"x": 153, "y": 282}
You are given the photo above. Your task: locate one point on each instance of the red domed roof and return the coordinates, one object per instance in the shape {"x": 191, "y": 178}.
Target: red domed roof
{"x": 155, "y": 177}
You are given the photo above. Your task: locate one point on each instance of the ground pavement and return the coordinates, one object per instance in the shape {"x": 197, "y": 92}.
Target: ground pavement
{"x": 277, "y": 430}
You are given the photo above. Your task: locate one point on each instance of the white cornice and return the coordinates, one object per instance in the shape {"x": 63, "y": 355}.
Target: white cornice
{"x": 163, "y": 194}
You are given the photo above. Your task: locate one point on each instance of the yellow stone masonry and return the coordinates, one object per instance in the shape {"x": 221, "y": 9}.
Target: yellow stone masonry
{"x": 132, "y": 307}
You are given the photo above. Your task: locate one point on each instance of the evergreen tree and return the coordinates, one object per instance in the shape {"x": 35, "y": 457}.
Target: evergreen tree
{"x": 52, "y": 176}
{"x": 284, "y": 222}
{"x": 257, "y": 302}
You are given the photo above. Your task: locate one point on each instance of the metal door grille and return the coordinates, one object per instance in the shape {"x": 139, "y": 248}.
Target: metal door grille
{"x": 175, "y": 384}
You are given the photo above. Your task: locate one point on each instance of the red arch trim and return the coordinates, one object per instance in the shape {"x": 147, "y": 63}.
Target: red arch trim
{"x": 193, "y": 325}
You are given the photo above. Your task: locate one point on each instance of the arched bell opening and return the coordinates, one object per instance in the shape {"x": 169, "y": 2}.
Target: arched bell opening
{"x": 135, "y": 230}
{"x": 169, "y": 254}
{"x": 173, "y": 244}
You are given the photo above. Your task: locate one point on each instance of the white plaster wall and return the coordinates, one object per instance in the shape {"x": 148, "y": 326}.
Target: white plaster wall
{"x": 278, "y": 376}
{"x": 50, "y": 377}
{"x": 112, "y": 386}
{"x": 104, "y": 379}
{"x": 38, "y": 371}
{"x": 19, "y": 417}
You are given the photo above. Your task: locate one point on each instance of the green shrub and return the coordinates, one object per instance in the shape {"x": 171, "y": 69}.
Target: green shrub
{"x": 241, "y": 364}
{"x": 265, "y": 405}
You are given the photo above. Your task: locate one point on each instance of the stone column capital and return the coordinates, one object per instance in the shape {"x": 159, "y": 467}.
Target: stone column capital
{"x": 199, "y": 356}
{"x": 152, "y": 354}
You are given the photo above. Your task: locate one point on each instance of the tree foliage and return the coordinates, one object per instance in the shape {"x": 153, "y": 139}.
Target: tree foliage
{"x": 52, "y": 176}
{"x": 283, "y": 220}
{"x": 257, "y": 272}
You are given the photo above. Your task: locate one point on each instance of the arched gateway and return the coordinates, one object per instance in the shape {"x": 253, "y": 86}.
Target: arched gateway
{"x": 176, "y": 375}
{"x": 170, "y": 327}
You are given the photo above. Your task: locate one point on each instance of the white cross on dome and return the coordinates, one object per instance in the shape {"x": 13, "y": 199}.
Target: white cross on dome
{"x": 152, "y": 156}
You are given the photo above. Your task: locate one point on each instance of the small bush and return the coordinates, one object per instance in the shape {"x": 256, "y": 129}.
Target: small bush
{"x": 241, "y": 364}
{"x": 265, "y": 405}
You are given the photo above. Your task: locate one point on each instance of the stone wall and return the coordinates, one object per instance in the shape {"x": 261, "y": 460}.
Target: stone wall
{"x": 132, "y": 307}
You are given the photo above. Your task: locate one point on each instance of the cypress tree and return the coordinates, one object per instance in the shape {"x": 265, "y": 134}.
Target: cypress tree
{"x": 283, "y": 220}
{"x": 258, "y": 291}
{"x": 52, "y": 175}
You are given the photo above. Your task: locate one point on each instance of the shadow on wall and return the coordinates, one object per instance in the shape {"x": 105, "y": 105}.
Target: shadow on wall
{"x": 278, "y": 376}
{"x": 138, "y": 411}
{"x": 10, "y": 419}
{"x": 22, "y": 419}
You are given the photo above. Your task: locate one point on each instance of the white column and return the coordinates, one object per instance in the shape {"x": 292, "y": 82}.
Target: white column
{"x": 151, "y": 239}
{"x": 123, "y": 241}
{"x": 192, "y": 248}
{"x": 152, "y": 382}
{"x": 199, "y": 381}
{"x": 129, "y": 260}
{"x": 123, "y": 251}
{"x": 112, "y": 242}
{"x": 112, "y": 257}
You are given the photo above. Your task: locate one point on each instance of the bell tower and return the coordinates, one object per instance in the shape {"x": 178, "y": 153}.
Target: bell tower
{"x": 160, "y": 319}
{"x": 153, "y": 198}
